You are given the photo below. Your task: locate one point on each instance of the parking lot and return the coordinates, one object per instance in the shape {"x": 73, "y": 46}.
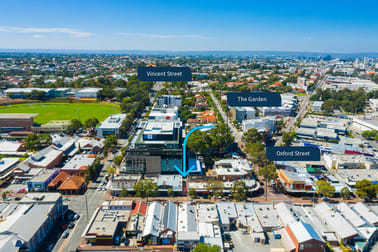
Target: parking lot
{"x": 244, "y": 243}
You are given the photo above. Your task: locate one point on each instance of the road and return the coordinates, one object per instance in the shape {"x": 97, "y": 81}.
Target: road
{"x": 236, "y": 134}
{"x": 302, "y": 111}
{"x": 78, "y": 205}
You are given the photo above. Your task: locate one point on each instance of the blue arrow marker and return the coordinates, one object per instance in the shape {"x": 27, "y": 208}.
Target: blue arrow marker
{"x": 185, "y": 172}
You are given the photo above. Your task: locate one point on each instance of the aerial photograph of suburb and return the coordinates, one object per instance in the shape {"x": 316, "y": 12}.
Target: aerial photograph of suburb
{"x": 188, "y": 126}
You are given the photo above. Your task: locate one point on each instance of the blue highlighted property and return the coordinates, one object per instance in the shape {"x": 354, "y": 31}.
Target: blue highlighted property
{"x": 185, "y": 172}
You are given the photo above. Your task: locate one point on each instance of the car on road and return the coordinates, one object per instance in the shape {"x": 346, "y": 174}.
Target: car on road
{"x": 71, "y": 225}
{"x": 76, "y": 217}
{"x": 98, "y": 188}
{"x": 65, "y": 234}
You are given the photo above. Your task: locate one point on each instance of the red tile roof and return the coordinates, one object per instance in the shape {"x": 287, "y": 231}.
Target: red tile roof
{"x": 72, "y": 183}
{"x": 140, "y": 208}
{"x": 59, "y": 178}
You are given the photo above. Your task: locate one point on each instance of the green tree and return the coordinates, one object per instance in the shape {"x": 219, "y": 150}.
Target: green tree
{"x": 344, "y": 192}
{"x": 215, "y": 188}
{"x": 192, "y": 193}
{"x": 124, "y": 192}
{"x": 256, "y": 153}
{"x": 198, "y": 142}
{"x": 110, "y": 170}
{"x": 329, "y": 106}
{"x": 365, "y": 189}
{"x": 272, "y": 172}
{"x": 204, "y": 247}
{"x": 145, "y": 188}
{"x": 324, "y": 188}
{"x": 110, "y": 142}
{"x": 252, "y": 136}
{"x": 118, "y": 160}
{"x": 239, "y": 191}
{"x": 221, "y": 138}
{"x": 170, "y": 192}
{"x": 36, "y": 142}
{"x": 36, "y": 95}
{"x": 4, "y": 195}
{"x": 74, "y": 126}
{"x": 91, "y": 123}
{"x": 288, "y": 138}
{"x": 106, "y": 92}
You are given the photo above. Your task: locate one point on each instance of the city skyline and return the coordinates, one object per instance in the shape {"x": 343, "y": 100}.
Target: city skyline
{"x": 175, "y": 26}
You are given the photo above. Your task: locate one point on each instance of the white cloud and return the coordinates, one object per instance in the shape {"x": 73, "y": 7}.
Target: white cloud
{"x": 69, "y": 31}
{"x": 37, "y": 36}
{"x": 163, "y": 36}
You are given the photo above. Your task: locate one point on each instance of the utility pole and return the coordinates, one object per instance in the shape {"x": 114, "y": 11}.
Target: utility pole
{"x": 86, "y": 205}
{"x": 266, "y": 180}
{"x": 78, "y": 111}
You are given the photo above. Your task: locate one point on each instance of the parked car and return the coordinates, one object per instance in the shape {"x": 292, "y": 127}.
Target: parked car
{"x": 71, "y": 225}
{"x": 325, "y": 199}
{"x": 65, "y": 234}
{"x": 76, "y": 217}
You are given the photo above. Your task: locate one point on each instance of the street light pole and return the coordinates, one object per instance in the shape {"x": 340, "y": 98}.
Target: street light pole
{"x": 86, "y": 205}
{"x": 266, "y": 180}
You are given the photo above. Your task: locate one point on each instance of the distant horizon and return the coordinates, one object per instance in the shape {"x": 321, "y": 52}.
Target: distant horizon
{"x": 190, "y": 52}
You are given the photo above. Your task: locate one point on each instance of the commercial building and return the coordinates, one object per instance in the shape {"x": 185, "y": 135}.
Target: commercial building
{"x": 29, "y": 222}
{"x": 87, "y": 93}
{"x": 317, "y": 106}
{"x": 123, "y": 181}
{"x": 79, "y": 164}
{"x": 48, "y": 157}
{"x": 67, "y": 184}
{"x": 6, "y": 166}
{"x": 294, "y": 182}
{"x": 373, "y": 104}
{"x": 169, "y": 100}
{"x": 208, "y": 224}
{"x": 187, "y": 227}
{"x": 21, "y": 92}
{"x": 266, "y": 126}
{"x": 243, "y": 113}
{"x": 363, "y": 125}
{"x": 155, "y": 149}
{"x": 305, "y": 238}
{"x": 336, "y": 161}
{"x": 110, "y": 218}
{"x": 164, "y": 113}
{"x": 39, "y": 182}
{"x": 16, "y": 122}
{"x": 56, "y": 126}
{"x": 227, "y": 215}
{"x": 232, "y": 169}
{"x": 161, "y": 224}
{"x": 111, "y": 126}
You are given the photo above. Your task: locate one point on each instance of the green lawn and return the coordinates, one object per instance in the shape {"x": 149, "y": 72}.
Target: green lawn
{"x": 63, "y": 111}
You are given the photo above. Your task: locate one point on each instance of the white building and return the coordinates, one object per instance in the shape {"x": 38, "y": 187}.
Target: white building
{"x": 243, "y": 113}
{"x": 263, "y": 125}
{"x": 111, "y": 126}
{"x": 317, "y": 106}
{"x": 87, "y": 93}
{"x": 169, "y": 100}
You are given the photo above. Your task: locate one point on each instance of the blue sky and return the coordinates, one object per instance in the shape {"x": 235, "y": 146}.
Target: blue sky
{"x": 291, "y": 25}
